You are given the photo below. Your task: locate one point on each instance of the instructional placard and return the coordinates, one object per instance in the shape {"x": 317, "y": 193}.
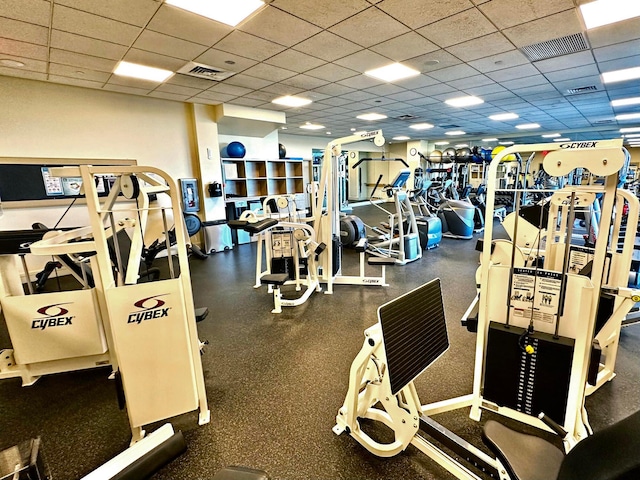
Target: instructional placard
{"x": 580, "y": 257}
{"x": 52, "y": 185}
{"x": 535, "y": 294}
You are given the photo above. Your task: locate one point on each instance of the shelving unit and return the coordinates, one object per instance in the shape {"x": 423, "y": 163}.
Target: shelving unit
{"x": 252, "y": 178}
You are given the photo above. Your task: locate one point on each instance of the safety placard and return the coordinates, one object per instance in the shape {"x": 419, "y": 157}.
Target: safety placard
{"x": 580, "y": 257}
{"x": 535, "y": 294}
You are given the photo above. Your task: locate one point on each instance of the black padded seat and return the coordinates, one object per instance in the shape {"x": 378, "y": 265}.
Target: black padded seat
{"x": 526, "y": 457}
{"x": 240, "y": 473}
{"x": 275, "y": 278}
{"x": 381, "y": 261}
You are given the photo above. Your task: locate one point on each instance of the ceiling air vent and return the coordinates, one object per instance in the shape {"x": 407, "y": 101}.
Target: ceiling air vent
{"x": 205, "y": 71}
{"x": 608, "y": 121}
{"x": 579, "y": 90}
{"x": 407, "y": 116}
{"x": 556, "y": 47}
{"x": 448, "y": 127}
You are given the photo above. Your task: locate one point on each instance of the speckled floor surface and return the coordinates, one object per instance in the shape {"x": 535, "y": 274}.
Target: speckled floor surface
{"x": 275, "y": 382}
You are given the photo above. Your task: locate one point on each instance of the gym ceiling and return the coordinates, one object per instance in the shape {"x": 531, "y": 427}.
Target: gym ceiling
{"x": 320, "y": 49}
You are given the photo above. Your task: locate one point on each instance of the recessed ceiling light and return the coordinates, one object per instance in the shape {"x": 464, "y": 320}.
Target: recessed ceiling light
{"x": 630, "y": 130}
{"x": 328, "y": 133}
{"x": 291, "y": 101}
{"x": 625, "y": 101}
{"x": 462, "y": 145}
{"x": 353, "y": 129}
{"x": 628, "y": 116}
{"x": 9, "y": 62}
{"x": 551, "y": 135}
{"x": 528, "y": 126}
{"x": 621, "y": 75}
{"x": 371, "y": 116}
{"x": 466, "y": 101}
{"x": 401, "y": 137}
{"x": 455, "y": 132}
{"x": 506, "y": 143}
{"x": 312, "y": 126}
{"x": 421, "y": 126}
{"x": 604, "y": 12}
{"x": 489, "y": 139}
{"x": 231, "y": 13}
{"x": 561, "y": 139}
{"x": 503, "y": 116}
{"x": 392, "y": 72}
{"x": 143, "y": 72}
{"x": 441, "y": 143}
{"x": 632, "y": 135}
{"x": 283, "y": 128}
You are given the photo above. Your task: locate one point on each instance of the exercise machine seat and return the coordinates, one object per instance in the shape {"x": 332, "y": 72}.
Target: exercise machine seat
{"x": 240, "y": 473}
{"x": 609, "y": 454}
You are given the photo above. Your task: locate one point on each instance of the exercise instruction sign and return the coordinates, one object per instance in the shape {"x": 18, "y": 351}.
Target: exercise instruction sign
{"x": 536, "y": 294}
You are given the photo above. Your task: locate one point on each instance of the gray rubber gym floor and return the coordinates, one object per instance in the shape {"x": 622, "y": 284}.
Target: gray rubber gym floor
{"x": 275, "y": 382}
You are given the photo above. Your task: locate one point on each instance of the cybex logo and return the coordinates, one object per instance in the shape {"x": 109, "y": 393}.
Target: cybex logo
{"x": 152, "y": 308}
{"x": 55, "y": 316}
{"x": 579, "y": 145}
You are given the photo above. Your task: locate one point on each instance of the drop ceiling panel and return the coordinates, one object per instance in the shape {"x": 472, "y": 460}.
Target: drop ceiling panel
{"x": 454, "y": 73}
{"x": 31, "y": 11}
{"x": 325, "y": 13}
{"x": 248, "y": 81}
{"x": 75, "y": 72}
{"x": 546, "y": 28}
{"x": 405, "y": 46}
{"x": 88, "y": 25}
{"x": 296, "y": 61}
{"x": 500, "y": 61}
{"x": 491, "y": 44}
{"x": 228, "y": 89}
{"x": 188, "y": 26}
{"x": 358, "y": 28}
{"x": 23, "y": 32}
{"x": 23, "y": 49}
{"x": 167, "y": 45}
{"x": 615, "y": 33}
{"x": 327, "y": 46}
{"x": 217, "y": 96}
{"x": 360, "y": 81}
{"x": 385, "y": 89}
{"x": 76, "y": 82}
{"x": 334, "y": 89}
{"x": 433, "y": 61}
{"x": 88, "y": 46}
{"x": 619, "y": 50}
{"x": 187, "y": 81}
{"x": 136, "y": 13}
{"x": 621, "y": 63}
{"x": 485, "y": 89}
{"x": 218, "y": 58}
{"x": 466, "y": 83}
{"x": 564, "y": 85}
{"x": 561, "y": 63}
{"x": 573, "y": 73}
{"x": 417, "y": 13}
{"x": 178, "y": 89}
{"x": 151, "y": 59}
{"x": 363, "y": 60}
{"x": 524, "y": 82}
{"x": 244, "y": 44}
{"x": 406, "y": 96}
{"x": 25, "y": 72}
{"x": 169, "y": 96}
{"x": 143, "y": 85}
{"x": 269, "y": 72}
{"x": 417, "y": 82}
{"x": 280, "y": 89}
{"x": 305, "y": 82}
{"x": 513, "y": 73}
{"x": 468, "y": 25}
{"x": 82, "y": 61}
{"x": 279, "y": 27}
{"x": 247, "y": 102}
{"x": 508, "y": 13}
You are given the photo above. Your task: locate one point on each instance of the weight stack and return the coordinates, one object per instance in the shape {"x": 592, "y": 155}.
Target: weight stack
{"x": 528, "y": 383}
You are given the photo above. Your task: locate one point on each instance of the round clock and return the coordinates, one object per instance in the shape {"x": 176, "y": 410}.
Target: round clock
{"x": 129, "y": 186}
{"x": 413, "y": 152}
{"x": 352, "y": 154}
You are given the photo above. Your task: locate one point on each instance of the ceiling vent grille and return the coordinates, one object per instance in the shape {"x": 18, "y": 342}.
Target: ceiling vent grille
{"x": 603, "y": 122}
{"x": 579, "y": 90}
{"x": 556, "y": 47}
{"x": 205, "y": 71}
{"x": 407, "y": 116}
{"x": 448, "y": 127}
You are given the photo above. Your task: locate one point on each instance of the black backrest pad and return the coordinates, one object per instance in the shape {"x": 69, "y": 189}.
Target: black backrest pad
{"x": 414, "y": 331}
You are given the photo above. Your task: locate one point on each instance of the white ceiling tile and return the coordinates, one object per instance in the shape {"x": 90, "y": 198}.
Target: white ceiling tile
{"x": 31, "y": 64}
{"x": 153, "y": 59}
{"x": 294, "y": 60}
{"x": 188, "y": 81}
{"x": 369, "y": 27}
{"x": 467, "y": 25}
{"x": 620, "y": 63}
{"x": 247, "y": 102}
{"x": 219, "y": 97}
{"x": 614, "y": 33}
{"x": 278, "y": 26}
{"x": 405, "y": 46}
{"x": 94, "y": 26}
{"x": 247, "y": 45}
{"x": 269, "y": 72}
{"x": 305, "y": 82}
{"x": 82, "y": 61}
{"x": 23, "y": 32}
{"x": 434, "y": 90}
{"x": 112, "y": 87}
{"x": 76, "y": 82}
{"x": 433, "y": 61}
{"x": 360, "y": 82}
{"x": 560, "y": 63}
{"x": 219, "y": 59}
{"x": 78, "y": 73}
{"x": 525, "y": 92}
{"x": 531, "y": 81}
{"x": 167, "y": 45}
{"x": 417, "y": 13}
{"x": 619, "y": 50}
{"x": 363, "y": 60}
{"x": 22, "y": 73}
{"x": 136, "y": 13}
{"x": 248, "y": 81}
{"x": 572, "y": 73}
{"x": 280, "y": 89}
{"x": 229, "y": 89}
{"x": 331, "y": 72}
{"x": 488, "y": 45}
{"x": 31, "y": 11}
{"x": 417, "y": 82}
{"x": 334, "y": 102}
{"x": 454, "y": 73}
{"x": 406, "y": 96}
{"x": 23, "y": 49}
{"x": 327, "y": 46}
{"x": 323, "y": 14}
{"x": 260, "y": 95}
{"x": 334, "y": 89}
{"x": 507, "y": 13}
{"x": 171, "y": 88}
{"x": 385, "y": 89}
{"x": 472, "y": 81}
{"x": 88, "y": 46}
{"x": 485, "y": 89}
{"x": 562, "y": 86}
{"x": 169, "y": 96}
{"x": 357, "y": 96}
{"x": 546, "y": 28}
{"x": 513, "y": 73}
{"x": 188, "y": 26}
{"x": 205, "y": 101}
{"x": 500, "y": 61}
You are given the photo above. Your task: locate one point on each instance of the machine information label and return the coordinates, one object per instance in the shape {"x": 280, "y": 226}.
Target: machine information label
{"x": 579, "y": 257}
{"x": 535, "y": 294}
